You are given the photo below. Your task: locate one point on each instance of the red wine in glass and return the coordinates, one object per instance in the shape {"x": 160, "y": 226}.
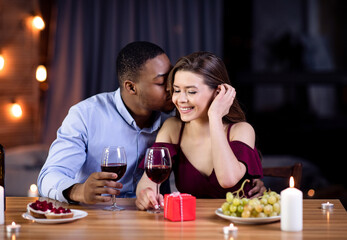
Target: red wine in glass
{"x": 114, "y": 160}
{"x": 158, "y": 173}
{"x": 118, "y": 168}
{"x": 158, "y": 168}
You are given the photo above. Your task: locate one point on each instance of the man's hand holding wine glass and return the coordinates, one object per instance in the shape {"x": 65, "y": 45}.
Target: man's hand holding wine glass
{"x": 98, "y": 183}
{"x": 114, "y": 161}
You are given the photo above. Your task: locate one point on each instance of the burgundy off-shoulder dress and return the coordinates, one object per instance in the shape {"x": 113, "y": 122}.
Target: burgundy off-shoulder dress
{"x": 189, "y": 180}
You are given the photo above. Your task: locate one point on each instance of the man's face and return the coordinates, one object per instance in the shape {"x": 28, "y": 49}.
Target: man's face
{"x": 152, "y": 85}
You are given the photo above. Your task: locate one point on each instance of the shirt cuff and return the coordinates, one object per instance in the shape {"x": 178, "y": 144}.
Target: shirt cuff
{"x": 60, "y": 191}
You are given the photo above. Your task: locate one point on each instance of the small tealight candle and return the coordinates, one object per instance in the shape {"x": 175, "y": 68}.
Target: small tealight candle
{"x": 327, "y": 206}
{"x": 231, "y": 229}
{"x": 13, "y": 228}
{"x": 291, "y": 208}
{"x": 33, "y": 191}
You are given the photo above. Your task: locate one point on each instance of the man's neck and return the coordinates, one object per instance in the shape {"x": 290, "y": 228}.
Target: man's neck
{"x": 142, "y": 117}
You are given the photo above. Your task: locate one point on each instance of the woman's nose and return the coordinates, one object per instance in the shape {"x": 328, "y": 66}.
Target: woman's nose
{"x": 182, "y": 97}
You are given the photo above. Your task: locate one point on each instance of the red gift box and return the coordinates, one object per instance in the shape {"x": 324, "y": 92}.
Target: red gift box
{"x": 179, "y": 206}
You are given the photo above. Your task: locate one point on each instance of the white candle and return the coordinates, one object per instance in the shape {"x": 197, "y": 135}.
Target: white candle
{"x": 2, "y": 207}
{"x": 291, "y": 208}
{"x": 33, "y": 191}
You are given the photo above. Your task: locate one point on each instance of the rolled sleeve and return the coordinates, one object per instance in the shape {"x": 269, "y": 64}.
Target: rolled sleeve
{"x": 53, "y": 185}
{"x": 65, "y": 160}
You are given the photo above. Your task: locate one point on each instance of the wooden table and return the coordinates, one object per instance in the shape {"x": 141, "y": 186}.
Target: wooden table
{"x": 134, "y": 224}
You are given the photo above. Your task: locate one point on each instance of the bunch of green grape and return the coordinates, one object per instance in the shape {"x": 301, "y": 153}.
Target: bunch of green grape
{"x": 268, "y": 205}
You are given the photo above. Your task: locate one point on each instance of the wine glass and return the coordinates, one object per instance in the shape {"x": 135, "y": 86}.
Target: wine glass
{"x": 114, "y": 160}
{"x": 158, "y": 168}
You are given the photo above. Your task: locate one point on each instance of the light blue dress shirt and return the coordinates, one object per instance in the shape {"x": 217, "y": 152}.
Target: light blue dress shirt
{"x": 89, "y": 127}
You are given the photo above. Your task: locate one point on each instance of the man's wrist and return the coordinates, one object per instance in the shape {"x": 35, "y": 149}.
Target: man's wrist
{"x": 67, "y": 193}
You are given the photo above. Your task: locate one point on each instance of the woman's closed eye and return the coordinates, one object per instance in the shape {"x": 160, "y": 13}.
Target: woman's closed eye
{"x": 189, "y": 92}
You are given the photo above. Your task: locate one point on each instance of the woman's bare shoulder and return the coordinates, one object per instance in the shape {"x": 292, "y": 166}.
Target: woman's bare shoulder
{"x": 244, "y": 132}
{"x": 170, "y": 130}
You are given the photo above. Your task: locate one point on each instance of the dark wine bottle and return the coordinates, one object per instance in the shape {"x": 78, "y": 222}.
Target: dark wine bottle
{"x": 2, "y": 171}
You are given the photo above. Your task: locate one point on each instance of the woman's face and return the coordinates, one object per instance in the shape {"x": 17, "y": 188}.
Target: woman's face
{"x": 191, "y": 95}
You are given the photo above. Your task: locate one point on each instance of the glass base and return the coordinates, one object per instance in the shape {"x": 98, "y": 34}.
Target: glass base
{"x": 159, "y": 210}
{"x": 114, "y": 208}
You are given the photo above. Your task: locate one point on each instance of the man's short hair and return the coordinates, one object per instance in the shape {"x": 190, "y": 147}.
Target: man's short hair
{"x": 132, "y": 58}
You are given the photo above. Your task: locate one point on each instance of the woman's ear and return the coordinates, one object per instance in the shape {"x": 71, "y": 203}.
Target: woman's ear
{"x": 130, "y": 87}
{"x": 216, "y": 91}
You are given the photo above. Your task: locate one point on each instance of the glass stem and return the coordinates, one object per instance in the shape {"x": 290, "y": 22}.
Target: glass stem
{"x": 114, "y": 202}
{"x": 158, "y": 196}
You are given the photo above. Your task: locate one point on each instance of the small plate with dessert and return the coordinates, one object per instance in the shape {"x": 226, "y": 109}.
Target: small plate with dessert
{"x": 45, "y": 212}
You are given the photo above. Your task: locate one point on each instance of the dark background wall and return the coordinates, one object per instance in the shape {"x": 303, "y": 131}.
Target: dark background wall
{"x": 288, "y": 61}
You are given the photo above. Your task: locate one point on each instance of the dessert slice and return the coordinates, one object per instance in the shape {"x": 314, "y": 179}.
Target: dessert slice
{"x": 38, "y": 209}
{"x": 44, "y": 209}
{"x": 60, "y": 212}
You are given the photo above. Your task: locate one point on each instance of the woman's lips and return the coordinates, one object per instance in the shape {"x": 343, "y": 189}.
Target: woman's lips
{"x": 185, "y": 109}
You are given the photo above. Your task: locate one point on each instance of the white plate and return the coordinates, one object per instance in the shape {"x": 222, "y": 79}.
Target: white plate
{"x": 77, "y": 214}
{"x": 240, "y": 220}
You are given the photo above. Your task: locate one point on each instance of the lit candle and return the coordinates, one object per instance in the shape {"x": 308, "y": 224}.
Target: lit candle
{"x": 327, "y": 206}
{"x": 231, "y": 229}
{"x": 2, "y": 207}
{"x": 291, "y": 208}
{"x": 13, "y": 228}
{"x": 33, "y": 191}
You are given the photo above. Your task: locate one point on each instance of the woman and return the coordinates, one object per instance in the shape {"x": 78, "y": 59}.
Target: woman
{"x": 211, "y": 144}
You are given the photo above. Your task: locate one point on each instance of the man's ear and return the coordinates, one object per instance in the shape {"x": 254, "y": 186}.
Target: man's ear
{"x": 130, "y": 87}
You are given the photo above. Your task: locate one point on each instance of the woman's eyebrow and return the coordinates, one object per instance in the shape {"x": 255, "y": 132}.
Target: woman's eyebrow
{"x": 189, "y": 86}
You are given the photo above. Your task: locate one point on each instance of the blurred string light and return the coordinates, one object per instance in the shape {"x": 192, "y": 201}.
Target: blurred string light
{"x": 311, "y": 193}
{"x": 41, "y": 73}
{"x": 38, "y": 23}
{"x": 2, "y": 61}
{"x": 16, "y": 110}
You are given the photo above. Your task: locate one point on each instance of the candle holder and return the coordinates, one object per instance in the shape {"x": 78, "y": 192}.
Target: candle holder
{"x": 327, "y": 206}
{"x": 230, "y": 230}
{"x": 13, "y": 229}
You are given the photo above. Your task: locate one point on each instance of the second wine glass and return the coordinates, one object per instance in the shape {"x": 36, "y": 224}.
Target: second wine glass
{"x": 114, "y": 160}
{"x": 158, "y": 168}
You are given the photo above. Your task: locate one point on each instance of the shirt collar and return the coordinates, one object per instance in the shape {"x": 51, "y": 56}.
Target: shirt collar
{"x": 123, "y": 111}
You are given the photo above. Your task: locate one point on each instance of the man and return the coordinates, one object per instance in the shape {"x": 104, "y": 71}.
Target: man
{"x": 129, "y": 117}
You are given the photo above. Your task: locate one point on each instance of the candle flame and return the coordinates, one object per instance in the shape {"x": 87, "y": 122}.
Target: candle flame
{"x": 13, "y": 224}
{"x": 291, "y": 182}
